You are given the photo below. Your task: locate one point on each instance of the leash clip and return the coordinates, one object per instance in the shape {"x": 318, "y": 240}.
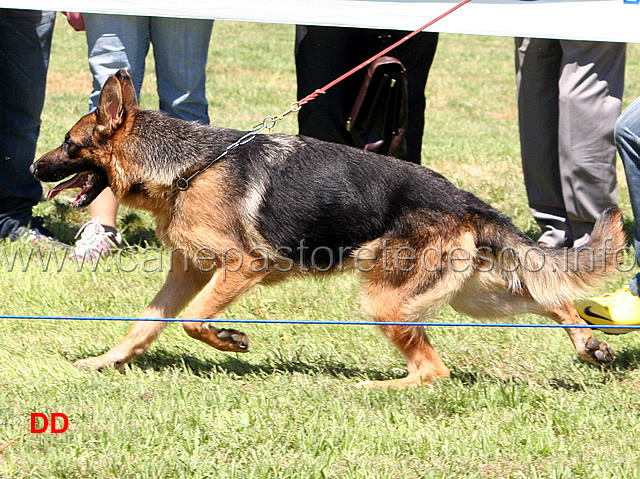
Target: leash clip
{"x": 182, "y": 184}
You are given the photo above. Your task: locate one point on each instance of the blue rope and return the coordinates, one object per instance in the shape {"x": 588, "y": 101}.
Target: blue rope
{"x": 329, "y": 323}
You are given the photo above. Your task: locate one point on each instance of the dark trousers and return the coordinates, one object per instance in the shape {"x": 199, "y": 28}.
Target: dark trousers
{"x": 324, "y": 53}
{"x": 25, "y": 41}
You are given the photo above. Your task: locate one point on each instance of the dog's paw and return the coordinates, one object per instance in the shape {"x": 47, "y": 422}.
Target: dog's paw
{"x": 97, "y": 364}
{"x": 598, "y": 352}
{"x": 366, "y": 384}
{"x": 233, "y": 339}
{"x": 402, "y": 383}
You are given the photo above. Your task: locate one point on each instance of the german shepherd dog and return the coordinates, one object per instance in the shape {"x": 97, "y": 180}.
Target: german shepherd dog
{"x": 282, "y": 205}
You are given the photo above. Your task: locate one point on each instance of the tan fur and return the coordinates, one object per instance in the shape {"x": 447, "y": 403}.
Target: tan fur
{"x": 201, "y": 218}
{"x": 405, "y": 276}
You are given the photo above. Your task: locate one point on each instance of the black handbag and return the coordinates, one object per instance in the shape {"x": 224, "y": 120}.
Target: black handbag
{"x": 379, "y": 117}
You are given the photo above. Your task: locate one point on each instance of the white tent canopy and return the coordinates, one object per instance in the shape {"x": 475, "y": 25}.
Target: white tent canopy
{"x": 606, "y": 20}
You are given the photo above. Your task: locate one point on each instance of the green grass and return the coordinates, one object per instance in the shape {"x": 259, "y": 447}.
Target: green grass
{"x": 519, "y": 403}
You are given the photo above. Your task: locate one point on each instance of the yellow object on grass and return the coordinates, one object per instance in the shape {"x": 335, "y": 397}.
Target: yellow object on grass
{"x": 620, "y": 308}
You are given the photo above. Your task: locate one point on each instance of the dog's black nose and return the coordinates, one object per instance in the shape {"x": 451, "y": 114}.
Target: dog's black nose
{"x": 33, "y": 168}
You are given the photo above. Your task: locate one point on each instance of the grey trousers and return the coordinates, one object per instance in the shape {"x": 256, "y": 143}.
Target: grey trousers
{"x": 569, "y": 97}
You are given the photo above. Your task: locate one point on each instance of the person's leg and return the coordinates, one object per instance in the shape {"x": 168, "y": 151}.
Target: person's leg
{"x": 323, "y": 54}
{"x": 25, "y": 43}
{"x": 105, "y": 208}
{"x": 627, "y": 139}
{"x": 537, "y": 75}
{"x": 180, "y": 48}
{"x": 114, "y": 42}
{"x": 622, "y": 307}
{"x": 591, "y": 85}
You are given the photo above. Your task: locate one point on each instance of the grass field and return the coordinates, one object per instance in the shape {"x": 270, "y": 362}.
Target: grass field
{"x": 519, "y": 403}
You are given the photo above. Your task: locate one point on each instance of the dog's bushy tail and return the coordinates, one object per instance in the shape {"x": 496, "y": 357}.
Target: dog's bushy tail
{"x": 553, "y": 276}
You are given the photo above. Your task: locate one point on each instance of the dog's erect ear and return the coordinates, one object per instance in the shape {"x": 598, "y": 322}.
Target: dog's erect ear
{"x": 110, "y": 112}
{"x": 129, "y": 96}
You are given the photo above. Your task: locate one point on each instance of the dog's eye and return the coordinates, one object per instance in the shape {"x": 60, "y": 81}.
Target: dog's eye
{"x": 73, "y": 149}
{"x": 70, "y": 148}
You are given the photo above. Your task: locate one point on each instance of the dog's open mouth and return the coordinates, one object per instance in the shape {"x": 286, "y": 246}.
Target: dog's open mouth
{"x": 89, "y": 185}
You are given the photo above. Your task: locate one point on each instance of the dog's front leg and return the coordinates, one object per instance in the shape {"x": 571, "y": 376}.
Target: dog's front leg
{"x": 227, "y": 284}
{"x": 179, "y": 288}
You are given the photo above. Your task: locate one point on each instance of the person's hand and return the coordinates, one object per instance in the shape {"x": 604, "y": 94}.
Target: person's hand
{"x": 75, "y": 20}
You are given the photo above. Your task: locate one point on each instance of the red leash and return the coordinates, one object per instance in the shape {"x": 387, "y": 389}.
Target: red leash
{"x": 324, "y": 89}
{"x": 269, "y": 122}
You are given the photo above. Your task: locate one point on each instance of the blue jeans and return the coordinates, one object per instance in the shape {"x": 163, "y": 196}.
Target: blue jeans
{"x": 25, "y": 43}
{"x": 627, "y": 136}
{"x": 180, "y": 48}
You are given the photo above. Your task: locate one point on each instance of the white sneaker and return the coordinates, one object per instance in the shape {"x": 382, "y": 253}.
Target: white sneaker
{"x": 95, "y": 241}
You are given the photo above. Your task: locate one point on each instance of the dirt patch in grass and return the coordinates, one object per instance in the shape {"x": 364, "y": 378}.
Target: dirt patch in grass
{"x": 61, "y": 83}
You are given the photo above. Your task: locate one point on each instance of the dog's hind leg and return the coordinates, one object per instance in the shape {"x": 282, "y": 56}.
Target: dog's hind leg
{"x": 224, "y": 287}
{"x": 423, "y": 362}
{"x": 396, "y": 295}
{"x": 486, "y": 296}
{"x": 586, "y": 344}
{"x": 179, "y": 288}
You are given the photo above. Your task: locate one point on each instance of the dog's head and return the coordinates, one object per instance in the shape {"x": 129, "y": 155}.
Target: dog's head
{"x": 87, "y": 150}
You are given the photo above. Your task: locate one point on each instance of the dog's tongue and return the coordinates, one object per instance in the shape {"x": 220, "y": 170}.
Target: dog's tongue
{"x": 76, "y": 182}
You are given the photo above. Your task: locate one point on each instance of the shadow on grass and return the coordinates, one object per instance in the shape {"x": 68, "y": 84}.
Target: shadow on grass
{"x": 467, "y": 378}
{"x": 162, "y": 360}
{"x": 626, "y": 359}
